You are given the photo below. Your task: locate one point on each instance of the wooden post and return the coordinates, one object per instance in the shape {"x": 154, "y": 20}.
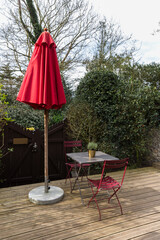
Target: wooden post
{"x": 46, "y": 149}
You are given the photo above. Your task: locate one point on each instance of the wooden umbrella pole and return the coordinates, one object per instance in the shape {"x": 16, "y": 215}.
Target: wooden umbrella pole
{"x": 46, "y": 149}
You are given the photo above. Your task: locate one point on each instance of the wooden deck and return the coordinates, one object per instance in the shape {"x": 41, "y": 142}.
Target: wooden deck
{"x": 69, "y": 219}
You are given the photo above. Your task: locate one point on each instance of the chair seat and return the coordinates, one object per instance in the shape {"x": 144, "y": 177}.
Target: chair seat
{"x": 72, "y": 165}
{"x": 107, "y": 183}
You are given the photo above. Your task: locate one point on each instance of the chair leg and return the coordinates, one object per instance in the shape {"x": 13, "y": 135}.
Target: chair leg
{"x": 115, "y": 193}
{"x": 98, "y": 208}
{"x": 119, "y": 202}
{"x": 68, "y": 177}
{"x": 68, "y": 174}
{"x": 94, "y": 197}
{"x": 112, "y": 195}
{"x": 94, "y": 194}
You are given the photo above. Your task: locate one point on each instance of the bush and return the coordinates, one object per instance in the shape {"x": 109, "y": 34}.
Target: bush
{"x": 125, "y": 111}
{"x": 83, "y": 122}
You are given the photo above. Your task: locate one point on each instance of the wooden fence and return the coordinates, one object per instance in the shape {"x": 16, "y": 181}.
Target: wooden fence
{"x": 25, "y": 164}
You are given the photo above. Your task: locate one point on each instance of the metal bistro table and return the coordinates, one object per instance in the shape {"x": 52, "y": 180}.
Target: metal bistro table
{"x": 82, "y": 157}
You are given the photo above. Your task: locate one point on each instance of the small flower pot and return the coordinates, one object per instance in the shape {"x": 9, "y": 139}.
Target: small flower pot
{"x": 91, "y": 153}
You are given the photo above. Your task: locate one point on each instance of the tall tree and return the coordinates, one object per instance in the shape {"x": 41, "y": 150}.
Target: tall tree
{"x": 146, "y": 74}
{"x": 149, "y": 74}
{"x": 70, "y": 22}
{"x": 113, "y": 49}
{"x": 37, "y": 28}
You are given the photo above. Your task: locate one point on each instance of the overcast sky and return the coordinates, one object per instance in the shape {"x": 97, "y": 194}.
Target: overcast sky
{"x": 137, "y": 17}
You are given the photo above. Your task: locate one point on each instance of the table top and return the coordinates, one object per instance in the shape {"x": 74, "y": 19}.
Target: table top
{"x": 82, "y": 157}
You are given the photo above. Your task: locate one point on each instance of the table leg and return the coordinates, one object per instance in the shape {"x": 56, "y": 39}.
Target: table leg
{"x": 77, "y": 180}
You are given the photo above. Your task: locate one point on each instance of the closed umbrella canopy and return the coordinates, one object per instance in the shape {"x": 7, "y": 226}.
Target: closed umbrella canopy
{"x": 42, "y": 86}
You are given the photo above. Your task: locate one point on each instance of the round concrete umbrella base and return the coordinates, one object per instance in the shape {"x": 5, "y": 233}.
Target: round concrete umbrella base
{"x": 38, "y": 195}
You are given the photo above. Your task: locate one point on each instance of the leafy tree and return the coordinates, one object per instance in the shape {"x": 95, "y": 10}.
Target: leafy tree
{"x": 99, "y": 89}
{"x": 146, "y": 74}
{"x": 149, "y": 74}
{"x": 83, "y": 122}
{"x": 127, "y": 110}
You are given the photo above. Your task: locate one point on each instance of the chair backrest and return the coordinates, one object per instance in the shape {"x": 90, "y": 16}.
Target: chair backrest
{"x": 72, "y": 144}
{"x": 115, "y": 164}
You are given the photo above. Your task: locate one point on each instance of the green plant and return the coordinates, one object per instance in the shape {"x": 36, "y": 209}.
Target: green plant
{"x": 126, "y": 110}
{"x": 83, "y": 122}
{"x": 92, "y": 146}
{"x": 3, "y": 121}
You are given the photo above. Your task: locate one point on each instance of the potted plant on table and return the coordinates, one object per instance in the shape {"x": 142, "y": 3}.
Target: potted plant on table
{"x": 92, "y": 147}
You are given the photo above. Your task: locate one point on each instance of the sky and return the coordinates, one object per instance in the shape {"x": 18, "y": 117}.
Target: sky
{"x": 137, "y": 17}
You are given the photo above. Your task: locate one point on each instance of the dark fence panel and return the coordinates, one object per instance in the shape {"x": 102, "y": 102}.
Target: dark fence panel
{"x": 26, "y": 163}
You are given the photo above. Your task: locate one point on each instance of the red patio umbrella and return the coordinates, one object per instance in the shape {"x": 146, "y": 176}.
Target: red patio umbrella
{"x": 42, "y": 86}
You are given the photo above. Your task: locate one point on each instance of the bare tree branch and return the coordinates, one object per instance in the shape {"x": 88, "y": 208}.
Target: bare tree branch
{"x": 70, "y": 23}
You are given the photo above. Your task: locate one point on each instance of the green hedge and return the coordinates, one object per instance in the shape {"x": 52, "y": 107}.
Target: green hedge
{"x": 122, "y": 112}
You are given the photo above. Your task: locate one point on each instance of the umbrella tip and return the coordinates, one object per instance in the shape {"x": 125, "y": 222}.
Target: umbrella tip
{"x": 45, "y": 29}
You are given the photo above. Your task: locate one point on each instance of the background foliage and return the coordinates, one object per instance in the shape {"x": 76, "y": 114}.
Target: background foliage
{"x": 117, "y": 101}
{"x": 125, "y": 112}
{"x": 3, "y": 120}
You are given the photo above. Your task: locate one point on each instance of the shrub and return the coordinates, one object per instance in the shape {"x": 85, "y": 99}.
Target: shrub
{"x": 125, "y": 111}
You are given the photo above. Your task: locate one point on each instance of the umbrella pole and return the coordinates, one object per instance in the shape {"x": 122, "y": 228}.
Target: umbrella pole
{"x": 46, "y": 149}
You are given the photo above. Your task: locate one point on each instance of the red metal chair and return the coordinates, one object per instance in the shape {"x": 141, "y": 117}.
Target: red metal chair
{"x": 70, "y": 165}
{"x": 108, "y": 183}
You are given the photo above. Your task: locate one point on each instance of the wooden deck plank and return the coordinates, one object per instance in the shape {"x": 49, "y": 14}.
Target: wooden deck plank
{"x": 68, "y": 219}
{"x": 155, "y": 235}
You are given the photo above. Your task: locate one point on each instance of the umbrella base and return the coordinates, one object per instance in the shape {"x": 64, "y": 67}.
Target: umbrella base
{"x": 38, "y": 195}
